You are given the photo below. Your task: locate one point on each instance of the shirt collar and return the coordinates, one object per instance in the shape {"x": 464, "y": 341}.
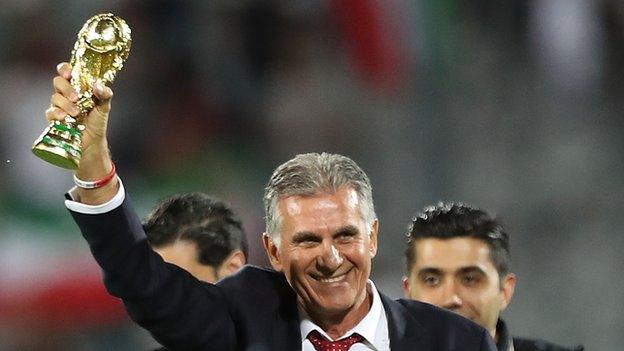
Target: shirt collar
{"x": 367, "y": 327}
{"x": 504, "y": 341}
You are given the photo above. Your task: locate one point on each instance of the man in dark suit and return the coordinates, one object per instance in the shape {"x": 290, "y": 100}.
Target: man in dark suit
{"x": 321, "y": 236}
{"x": 198, "y": 233}
{"x": 458, "y": 258}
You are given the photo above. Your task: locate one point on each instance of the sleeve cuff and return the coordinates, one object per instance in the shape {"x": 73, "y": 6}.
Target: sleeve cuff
{"x": 78, "y": 207}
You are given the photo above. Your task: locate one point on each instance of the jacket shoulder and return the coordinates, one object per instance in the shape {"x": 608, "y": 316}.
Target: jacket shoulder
{"x": 428, "y": 314}
{"x": 524, "y": 344}
{"x": 257, "y": 282}
{"x": 253, "y": 274}
{"x": 443, "y": 329}
{"x": 263, "y": 306}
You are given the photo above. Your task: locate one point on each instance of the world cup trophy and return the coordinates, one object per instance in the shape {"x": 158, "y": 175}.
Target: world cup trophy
{"x": 102, "y": 48}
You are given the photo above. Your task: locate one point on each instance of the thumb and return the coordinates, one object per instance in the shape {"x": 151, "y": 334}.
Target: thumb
{"x": 103, "y": 96}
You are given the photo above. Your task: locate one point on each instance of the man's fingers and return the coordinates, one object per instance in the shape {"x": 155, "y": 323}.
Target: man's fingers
{"x": 103, "y": 96}
{"x": 60, "y": 101}
{"x": 62, "y": 85}
{"x": 55, "y": 114}
{"x": 63, "y": 101}
{"x": 64, "y": 70}
{"x": 102, "y": 92}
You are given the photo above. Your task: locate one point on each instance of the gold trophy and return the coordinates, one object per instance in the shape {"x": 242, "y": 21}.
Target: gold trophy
{"x": 99, "y": 53}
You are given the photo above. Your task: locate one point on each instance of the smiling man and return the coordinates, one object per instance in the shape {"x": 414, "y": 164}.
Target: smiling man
{"x": 458, "y": 258}
{"x": 327, "y": 258}
{"x": 321, "y": 236}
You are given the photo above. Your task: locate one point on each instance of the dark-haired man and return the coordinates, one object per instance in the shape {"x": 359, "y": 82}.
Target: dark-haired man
{"x": 458, "y": 258}
{"x": 199, "y": 233}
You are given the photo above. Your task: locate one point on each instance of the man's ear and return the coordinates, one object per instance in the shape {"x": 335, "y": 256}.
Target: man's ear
{"x": 272, "y": 251}
{"x": 235, "y": 261}
{"x": 373, "y": 238}
{"x": 407, "y": 290}
{"x": 508, "y": 286}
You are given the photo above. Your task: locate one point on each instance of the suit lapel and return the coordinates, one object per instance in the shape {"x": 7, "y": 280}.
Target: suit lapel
{"x": 405, "y": 333}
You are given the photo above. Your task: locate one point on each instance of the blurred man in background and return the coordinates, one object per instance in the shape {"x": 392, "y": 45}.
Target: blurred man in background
{"x": 458, "y": 258}
{"x": 199, "y": 233}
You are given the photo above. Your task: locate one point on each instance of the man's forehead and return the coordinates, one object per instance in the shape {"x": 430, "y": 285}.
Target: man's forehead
{"x": 344, "y": 198}
{"x": 452, "y": 254}
{"x": 320, "y": 212}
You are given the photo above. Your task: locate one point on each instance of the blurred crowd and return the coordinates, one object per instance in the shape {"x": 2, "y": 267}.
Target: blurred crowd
{"x": 514, "y": 106}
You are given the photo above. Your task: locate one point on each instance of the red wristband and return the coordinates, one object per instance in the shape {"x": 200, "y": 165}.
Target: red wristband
{"x": 98, "y": 183}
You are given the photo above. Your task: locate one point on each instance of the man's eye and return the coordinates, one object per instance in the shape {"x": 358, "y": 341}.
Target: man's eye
{"x": 343, "y": 239}
{"x": 431, "y": 280}
{"x": 308, "y": 243}
{"x": 470, "y": 279}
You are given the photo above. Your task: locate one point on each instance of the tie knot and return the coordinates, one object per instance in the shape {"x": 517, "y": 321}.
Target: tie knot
{"x": 321, "y": 343}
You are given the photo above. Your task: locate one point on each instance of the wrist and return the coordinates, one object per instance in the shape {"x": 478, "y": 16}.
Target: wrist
{"x": 88, "y": 184}
{"x": 104, "y": 190}
{"x": 95, "y": 163}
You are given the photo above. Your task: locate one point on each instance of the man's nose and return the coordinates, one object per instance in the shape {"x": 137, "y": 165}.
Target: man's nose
{"x": 450, "y": 297}
{"x": 330, "y": 259}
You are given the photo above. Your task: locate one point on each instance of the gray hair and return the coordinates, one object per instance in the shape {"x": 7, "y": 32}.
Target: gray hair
{"x": 310, "y": 174}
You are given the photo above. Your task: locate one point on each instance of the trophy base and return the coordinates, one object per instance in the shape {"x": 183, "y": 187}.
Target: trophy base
{"x": 56, "y": 155}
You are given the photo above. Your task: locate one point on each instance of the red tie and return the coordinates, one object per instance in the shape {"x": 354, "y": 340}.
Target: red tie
{"x": 322, "y": 344}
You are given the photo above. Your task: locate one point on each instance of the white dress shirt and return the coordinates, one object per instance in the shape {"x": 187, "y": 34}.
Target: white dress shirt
{"x": 112, "y": 204}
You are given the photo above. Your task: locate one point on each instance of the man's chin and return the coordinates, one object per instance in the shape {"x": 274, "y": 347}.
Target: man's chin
{"x": 335, "y": 306}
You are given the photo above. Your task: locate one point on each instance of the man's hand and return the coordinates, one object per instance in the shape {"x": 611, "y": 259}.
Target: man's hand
{"x": 95, "y": 162}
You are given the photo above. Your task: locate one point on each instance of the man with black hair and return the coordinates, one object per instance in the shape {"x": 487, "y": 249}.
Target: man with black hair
{"x": 458, "y": 258}
{"x": 199, "y": 233}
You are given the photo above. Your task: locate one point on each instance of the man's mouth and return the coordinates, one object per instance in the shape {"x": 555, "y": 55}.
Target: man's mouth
{"x": 332, "y": 279}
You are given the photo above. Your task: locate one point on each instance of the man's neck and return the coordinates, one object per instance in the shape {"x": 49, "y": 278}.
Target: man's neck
{"x": 336, "y": 325}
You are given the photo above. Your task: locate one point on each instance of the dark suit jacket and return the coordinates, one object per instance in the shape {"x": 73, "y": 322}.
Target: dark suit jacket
{"x": 505, "y": 341}
{"x": 521, "y": 344}
{"x": 254, "y": 310}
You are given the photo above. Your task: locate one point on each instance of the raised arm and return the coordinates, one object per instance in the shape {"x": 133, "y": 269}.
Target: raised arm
{"x": 180, "y": 311}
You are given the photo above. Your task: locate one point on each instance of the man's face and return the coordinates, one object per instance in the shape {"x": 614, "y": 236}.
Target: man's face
{"x": 326, "y": 250}
{"x": 458, "y": 274}
{"x": 185, "y": 254}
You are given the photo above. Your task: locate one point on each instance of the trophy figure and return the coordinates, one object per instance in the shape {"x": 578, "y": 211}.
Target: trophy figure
{"x": 99, "y": 53}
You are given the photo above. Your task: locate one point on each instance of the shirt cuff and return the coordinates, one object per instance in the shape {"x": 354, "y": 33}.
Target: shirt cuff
{"x": 112, "y": 204}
